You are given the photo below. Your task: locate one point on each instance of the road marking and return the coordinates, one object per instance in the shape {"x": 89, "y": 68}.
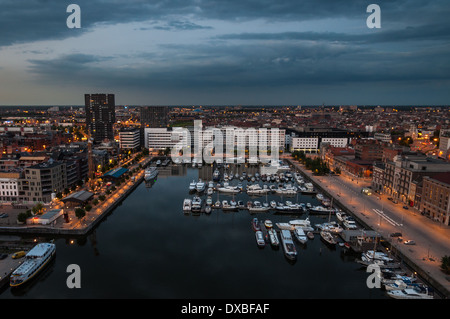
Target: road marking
{"x": 390, "y": 220}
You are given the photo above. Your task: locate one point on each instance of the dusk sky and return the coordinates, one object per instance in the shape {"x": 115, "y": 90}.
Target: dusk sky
{"x": 211, "y": 52}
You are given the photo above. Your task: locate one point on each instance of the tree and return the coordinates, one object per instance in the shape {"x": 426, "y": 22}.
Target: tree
{"x": 37, "y": 208}
{"x": 88, "y": 207}
{"x": 445, "y": 264}
{"x": 80, "y": 213}
{"x": 22, "y": 217}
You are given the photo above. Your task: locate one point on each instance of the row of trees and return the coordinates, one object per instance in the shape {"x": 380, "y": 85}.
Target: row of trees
{"x": 316, "y": 165}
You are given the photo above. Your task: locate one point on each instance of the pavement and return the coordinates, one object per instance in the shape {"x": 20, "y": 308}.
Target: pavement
{"x": 432, "y": 238}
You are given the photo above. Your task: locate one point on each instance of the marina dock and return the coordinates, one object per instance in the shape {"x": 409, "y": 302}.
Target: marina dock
{"x": 430, "y": 273}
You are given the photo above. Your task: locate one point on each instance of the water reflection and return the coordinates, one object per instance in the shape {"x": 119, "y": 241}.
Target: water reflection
{"x": 148, "y": 248}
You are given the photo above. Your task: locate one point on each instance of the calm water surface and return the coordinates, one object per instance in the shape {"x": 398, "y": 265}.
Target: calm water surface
{"x": 148, "y": 248}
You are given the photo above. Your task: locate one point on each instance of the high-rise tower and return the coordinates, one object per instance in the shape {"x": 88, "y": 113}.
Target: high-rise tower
{"x": 100, "y": 116}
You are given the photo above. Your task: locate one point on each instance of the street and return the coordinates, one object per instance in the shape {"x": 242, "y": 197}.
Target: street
{"x": 432, "y": 238}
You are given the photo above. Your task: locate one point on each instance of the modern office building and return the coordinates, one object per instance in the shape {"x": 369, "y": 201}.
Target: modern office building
{"x": 129, "y": 139}
{"x": 162, "y": 138}
{"x": 100, "y": 116}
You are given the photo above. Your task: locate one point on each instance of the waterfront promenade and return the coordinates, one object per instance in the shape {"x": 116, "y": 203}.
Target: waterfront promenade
{"x": 378, "y": 213}
{"x": 81, "y": 226}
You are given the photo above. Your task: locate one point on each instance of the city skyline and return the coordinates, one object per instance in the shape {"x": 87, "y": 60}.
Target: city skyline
{"x": 214, "y": 53}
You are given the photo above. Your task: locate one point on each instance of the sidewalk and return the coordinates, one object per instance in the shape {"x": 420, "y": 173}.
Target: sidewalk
{"x": 432, "y": 240}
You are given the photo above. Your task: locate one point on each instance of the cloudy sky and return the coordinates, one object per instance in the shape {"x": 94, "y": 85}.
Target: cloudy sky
{"x": 226, "y": 52}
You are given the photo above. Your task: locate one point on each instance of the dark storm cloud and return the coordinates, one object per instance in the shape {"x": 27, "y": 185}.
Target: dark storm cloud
{"x": 253, "y": 65}
{"x": 428, "y": 32}
{"x": 31, "y": 20}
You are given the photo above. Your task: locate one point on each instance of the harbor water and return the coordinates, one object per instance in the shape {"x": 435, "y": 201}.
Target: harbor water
{"x": 148, "y": 248}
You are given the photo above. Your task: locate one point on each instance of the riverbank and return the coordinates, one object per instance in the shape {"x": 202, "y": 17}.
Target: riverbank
{"x": 92, "y": 218}
{"x": 367, "y": 212}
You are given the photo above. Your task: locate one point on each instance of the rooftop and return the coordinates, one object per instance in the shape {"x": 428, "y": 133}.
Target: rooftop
{"x": 81, "y": 196}
{"x": 116, "y": 173}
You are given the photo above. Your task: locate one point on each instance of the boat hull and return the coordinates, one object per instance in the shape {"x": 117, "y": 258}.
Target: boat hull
{"x": 34, "y": 274}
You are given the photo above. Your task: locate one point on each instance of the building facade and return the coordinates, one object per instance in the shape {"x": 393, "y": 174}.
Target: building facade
{"x": 100, "y": 116}
{"x": 129, "y": 139}
{"x": 154, "y": 116}
{"x": 435, "y": 198}
{"x": 400, "y": 174}
{"x": 41, "y": 180}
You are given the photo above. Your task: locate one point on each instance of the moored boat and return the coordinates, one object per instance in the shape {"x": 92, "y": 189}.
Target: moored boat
{"x": 288, "y": 245}
{"x": 256, "y": 207}
{"x": 150, "y": 173}
{"x": 35, "y": 260}
{"x": 260, "y": 238}
{"x": 273, "y": 237}
{"x": 410, "y": 293}
{"x": 300, "y": 235}
{"x": 255, "y": 224}
{"x": 187, "y": 205}
{"x": 328, "y": 237}
{"x": 196, "y": 204}
{"x": 200, "y": 186}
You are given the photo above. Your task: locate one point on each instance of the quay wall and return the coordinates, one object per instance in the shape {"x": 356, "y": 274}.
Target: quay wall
{"x": 50, "y": 230}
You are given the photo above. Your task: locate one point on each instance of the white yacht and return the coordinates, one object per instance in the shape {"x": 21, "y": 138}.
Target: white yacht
{"x": 300, "y": 235}
{"x": 260, "y": 238}
{"x": 229, "y": 189}
{"x": 308, "y": 189}
{"x": 196, "y": 204}
{"x": 227, "y": 206}
{"x": 349, "y": 223}
{"x": 305, "y": 224}
{"x": 187, "y": 205}
{"x": 410, "y": 293}
{"x": 287, "y": 190}
{"x": 331, "y": 227}
{"x": 256, "y": 189}
{"x": 35, "y": 260}
{"x": 192, "y": 185}
{"x": 321, "y": 210}
{"x": 200, "y": 186}
{"x": 150, "y": 173}
{"x": 370, "y": 255}
{"x": 340, "y": 215}
{"x": 256, "y": 207}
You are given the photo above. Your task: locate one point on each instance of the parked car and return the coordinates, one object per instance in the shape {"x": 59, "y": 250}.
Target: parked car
{"x": 18, "y": 254}
{"x": 405, "y": 207}
{"x": 3, "y": 256}
{"x": 396, "y": 235}
{"x": 409, "y": 242}
{"x": 4, "y": 215}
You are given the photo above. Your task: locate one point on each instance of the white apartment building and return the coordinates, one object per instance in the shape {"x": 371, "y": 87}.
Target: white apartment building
{"x": 9, "y": 189}
{"x": 312, "y": 144}
{"x": 384, "y": 137}
{"x": 129, "y": 139}
{"x": 305, "y": 143}
{"x": 162, "y": 138}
